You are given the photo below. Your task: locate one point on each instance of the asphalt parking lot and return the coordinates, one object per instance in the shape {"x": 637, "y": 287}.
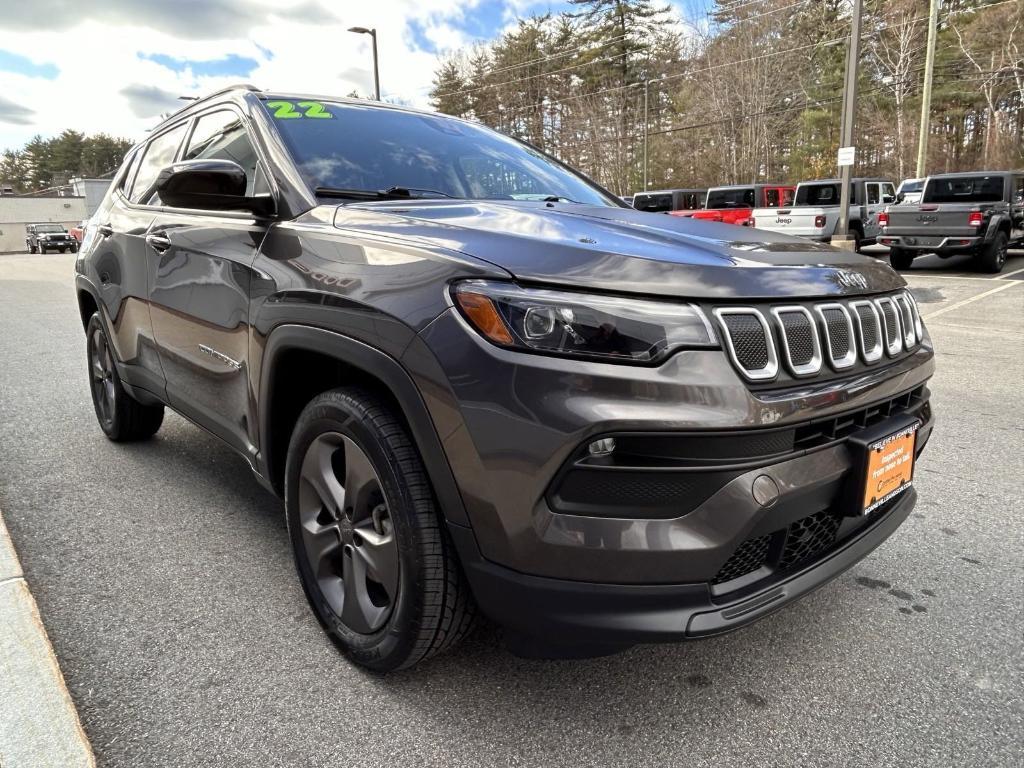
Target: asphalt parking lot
{"x": 164, "y": 578}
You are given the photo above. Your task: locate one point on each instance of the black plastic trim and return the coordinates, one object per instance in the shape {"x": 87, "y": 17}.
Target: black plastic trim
{"x": 381, "y": 366}
{"x": 566, "y": 612}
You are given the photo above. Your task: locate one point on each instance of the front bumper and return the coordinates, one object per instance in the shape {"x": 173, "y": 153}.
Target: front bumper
{"x": 566, "y": 612}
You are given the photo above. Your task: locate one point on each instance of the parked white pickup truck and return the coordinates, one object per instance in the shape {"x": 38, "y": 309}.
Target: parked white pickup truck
{"x": 815, "y": 210}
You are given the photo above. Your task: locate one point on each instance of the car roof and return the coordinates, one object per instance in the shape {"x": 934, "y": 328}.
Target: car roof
{"x": 965, "y": 174}
{"x": 239, "y": 91}
{"x": 854, "y": 180}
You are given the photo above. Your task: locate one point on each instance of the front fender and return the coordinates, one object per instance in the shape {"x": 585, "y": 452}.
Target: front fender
{"x": 380, "y": 366}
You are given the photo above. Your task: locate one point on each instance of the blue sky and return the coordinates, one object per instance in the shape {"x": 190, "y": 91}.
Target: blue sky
{"x": 117, "y": 65}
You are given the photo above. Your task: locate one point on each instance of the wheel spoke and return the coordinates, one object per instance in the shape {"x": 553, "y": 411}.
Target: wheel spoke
{"x": 358, "y": 612}
{"x": 322, "y": 546}
{"x": 317, "y": 475}
{"x": 97, "y": 369}
{"x": 360, "y": 481}
{"x": 380, "y": 554}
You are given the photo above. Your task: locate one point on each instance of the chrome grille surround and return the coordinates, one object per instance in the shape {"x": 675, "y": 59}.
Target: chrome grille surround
{"x": 874, "y": 354}
{"x": 906, "y": 320}
{"x": 819, "y": 338}
{"x": 813, "y": 364}
{"x": 849, "y": 357}
{"x": 771, "y": 369}
{"x": 893, "y": 333}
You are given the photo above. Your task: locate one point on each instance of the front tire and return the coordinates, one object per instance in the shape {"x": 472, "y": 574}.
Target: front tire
{"x": 900, "y": 258}
{"x": 122, "y": 418}
{"x": 371, "y": 550}
{"x": 992, "y": 256}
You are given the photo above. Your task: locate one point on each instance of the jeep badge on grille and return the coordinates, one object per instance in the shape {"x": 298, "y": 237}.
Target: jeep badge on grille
{"x": 851, "y": 279}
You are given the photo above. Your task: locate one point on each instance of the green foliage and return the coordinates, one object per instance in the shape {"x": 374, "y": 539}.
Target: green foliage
{"x": 749, "y": 92}
{"x": 43, "y": 163}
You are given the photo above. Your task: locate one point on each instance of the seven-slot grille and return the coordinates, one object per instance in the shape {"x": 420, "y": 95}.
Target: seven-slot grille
{"x": 806, "y": 339}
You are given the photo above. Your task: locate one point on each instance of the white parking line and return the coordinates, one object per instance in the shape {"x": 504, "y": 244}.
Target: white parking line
{"x": 1008, "y": 274}
{"x": 965, "y": 302}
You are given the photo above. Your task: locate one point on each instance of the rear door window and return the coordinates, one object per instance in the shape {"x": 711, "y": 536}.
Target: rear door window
{"x": 872, "y": 193}
{"x": 964, "y": 189}
{"x": 159, "y": 153}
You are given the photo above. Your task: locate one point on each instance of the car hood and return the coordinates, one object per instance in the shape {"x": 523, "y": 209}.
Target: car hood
{"x": 624, "y": 250}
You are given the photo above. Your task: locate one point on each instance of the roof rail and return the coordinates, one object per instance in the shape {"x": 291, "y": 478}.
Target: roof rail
{"x": 201, "y": 99}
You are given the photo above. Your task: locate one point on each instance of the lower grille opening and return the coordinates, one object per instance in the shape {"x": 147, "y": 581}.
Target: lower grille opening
{"x": 748, "y": 557}
{"x": 808, "y": 538}
{"x": 801, "y": 542}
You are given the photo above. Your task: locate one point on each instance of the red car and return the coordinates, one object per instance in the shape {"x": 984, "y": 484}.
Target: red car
{"x": 78, "y": 231}
{"x": 733, "y": 205}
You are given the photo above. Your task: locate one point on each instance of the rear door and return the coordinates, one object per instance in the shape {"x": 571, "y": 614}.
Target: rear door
{"x": 202, "y": 273}
{"x": 873, "y": 205}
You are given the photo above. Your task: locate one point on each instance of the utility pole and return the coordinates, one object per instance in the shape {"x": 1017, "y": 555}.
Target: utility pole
{"x": 926, "y": 92}
{"x": 646, "y": 132}
{"x": 846, "y": 131}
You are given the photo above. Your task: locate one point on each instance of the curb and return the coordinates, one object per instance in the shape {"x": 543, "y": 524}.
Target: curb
{"x": 39, "y": 725}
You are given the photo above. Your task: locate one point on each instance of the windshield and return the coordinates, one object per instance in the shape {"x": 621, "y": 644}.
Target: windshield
{"x": 731, "y": 198}
{"x": 49, "y": 228}
{"x": 911, "y": 186}
{"x": 964, "y": 189}
{"x": 351, "y": 147}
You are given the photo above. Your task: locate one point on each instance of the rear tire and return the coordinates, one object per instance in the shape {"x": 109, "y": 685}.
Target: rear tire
{"x": 122, "y": 418}
{"x": 858, "y": 238}
{"x": 900, "y": 258}
{"x": 375, "y": 560}
{"x": 992, "y": 256}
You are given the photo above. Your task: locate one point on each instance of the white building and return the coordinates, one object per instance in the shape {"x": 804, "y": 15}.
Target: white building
{"x": 92, "y": 190}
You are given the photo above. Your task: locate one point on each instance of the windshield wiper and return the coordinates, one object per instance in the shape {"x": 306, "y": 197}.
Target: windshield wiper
{"x": 391, "y": 193}
{"x": 408, "y": 192}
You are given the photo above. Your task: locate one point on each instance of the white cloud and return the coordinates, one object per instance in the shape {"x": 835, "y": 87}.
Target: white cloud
{"x": 104, "y": 85}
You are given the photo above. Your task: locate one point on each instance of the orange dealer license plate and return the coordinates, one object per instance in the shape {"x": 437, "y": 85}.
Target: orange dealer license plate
{"x": 890, "y": 467}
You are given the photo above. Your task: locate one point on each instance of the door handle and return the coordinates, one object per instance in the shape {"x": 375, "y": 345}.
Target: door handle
{"x": 158, "y": 241}
{"x": 105, "y": 230}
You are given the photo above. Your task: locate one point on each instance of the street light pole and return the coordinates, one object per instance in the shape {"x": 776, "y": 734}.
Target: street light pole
{"x": 926, "y": 91}
{"x": 376, "y": 72}
{"x": 846, "y": 132}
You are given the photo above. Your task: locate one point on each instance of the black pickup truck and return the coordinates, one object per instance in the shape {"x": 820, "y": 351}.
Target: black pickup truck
{"x": 980, "y": 213}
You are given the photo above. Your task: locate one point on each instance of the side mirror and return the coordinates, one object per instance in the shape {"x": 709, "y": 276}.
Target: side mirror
{"x": 887, "y": 198}
{"x": 211, "y": 185}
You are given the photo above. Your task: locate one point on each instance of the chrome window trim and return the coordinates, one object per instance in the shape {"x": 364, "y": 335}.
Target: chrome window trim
{"x": 851, "y": 354}
{"x": 813, "y": 365}
{"x": 896, "y": 347}
{"x": 874, "y": 354}
{"x": 771, "y": 370}
{"x": 907, "y": 320}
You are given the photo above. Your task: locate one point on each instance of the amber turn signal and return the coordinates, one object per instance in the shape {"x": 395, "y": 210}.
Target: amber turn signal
{"x": 484, "y": 315}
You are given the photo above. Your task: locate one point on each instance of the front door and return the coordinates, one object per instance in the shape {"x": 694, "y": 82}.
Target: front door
{"x": 1017, "y": 207}
{"x": 874, "y": 205}
{"x": 199, "y": 301}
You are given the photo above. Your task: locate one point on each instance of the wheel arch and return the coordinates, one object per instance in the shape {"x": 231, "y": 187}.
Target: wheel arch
{"x": 299, "y": 362}
{"x": 87, "y": 303}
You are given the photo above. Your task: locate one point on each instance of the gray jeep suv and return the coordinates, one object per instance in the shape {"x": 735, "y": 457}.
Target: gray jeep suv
{"x": 481, "y": 383}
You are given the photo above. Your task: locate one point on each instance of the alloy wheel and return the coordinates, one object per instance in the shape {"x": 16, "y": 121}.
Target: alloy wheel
{"x": 101, "y": 365}
{"x": 347, "y": 532}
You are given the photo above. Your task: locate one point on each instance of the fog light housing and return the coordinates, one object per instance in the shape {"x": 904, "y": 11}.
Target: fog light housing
{"x": 602, "y": 447}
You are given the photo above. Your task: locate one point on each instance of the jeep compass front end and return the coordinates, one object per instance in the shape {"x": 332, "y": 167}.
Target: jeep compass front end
{"x": 478, "y": 381}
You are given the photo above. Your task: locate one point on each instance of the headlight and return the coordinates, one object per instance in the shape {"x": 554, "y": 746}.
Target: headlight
{"x": 579, "y": 324}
